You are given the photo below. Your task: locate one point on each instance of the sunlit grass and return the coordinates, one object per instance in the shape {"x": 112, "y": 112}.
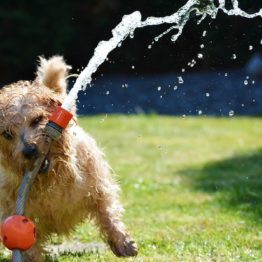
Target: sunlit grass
{"x": 192, "y": 187}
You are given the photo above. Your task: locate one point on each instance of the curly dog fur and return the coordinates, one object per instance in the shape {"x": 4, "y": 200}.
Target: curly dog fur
{"x": 74, "y": 182}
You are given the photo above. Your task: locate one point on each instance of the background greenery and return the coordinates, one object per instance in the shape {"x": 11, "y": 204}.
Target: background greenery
{"x": 29, "y": 28}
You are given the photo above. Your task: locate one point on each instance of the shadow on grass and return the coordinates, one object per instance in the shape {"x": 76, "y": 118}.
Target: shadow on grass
{"x": 236, "y": 181}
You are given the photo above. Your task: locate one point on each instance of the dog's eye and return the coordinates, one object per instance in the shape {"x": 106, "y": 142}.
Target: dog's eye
{"x": 36, "y": 121}
{"x": 7, "y": 135}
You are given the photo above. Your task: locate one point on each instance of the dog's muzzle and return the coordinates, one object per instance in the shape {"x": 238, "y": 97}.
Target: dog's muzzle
{"x": 30, "y": 151}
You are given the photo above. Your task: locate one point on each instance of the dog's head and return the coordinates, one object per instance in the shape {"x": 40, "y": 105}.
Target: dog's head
{"x": 24, "y": 111}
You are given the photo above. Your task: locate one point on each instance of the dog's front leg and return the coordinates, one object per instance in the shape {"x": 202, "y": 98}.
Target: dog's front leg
{"x": 103, "y": 199}
{"x": 113, "y": 229}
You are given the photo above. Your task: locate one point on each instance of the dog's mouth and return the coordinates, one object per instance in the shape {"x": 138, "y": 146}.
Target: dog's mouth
{"x": 45, "y": 166}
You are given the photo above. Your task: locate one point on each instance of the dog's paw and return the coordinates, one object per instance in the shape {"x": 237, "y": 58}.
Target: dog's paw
{"x": 125, "y": 247}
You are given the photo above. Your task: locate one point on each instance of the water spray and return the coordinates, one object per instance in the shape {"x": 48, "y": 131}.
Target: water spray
{"x": 201, "y": 8}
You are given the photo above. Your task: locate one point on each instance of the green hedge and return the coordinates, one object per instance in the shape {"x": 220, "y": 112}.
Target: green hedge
{"x": 73, "y": 28}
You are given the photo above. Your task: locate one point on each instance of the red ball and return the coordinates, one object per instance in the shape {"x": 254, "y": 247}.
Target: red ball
{"x": 18, "y": 232}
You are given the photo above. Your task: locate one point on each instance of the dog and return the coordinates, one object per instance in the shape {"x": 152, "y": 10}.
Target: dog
{"x": 74, "y": 183}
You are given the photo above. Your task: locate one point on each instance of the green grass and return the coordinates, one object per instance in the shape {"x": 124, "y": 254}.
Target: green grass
{"x": 192, "y": 187}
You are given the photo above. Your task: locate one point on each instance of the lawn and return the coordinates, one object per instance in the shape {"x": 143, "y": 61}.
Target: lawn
{"x": 192, "y": 187}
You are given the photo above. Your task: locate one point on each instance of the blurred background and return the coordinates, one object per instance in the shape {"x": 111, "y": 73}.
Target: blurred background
{"x": 214, "y": 68}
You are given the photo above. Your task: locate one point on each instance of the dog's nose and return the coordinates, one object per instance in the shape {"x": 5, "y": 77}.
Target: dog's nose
{"x": 29, "y": 151}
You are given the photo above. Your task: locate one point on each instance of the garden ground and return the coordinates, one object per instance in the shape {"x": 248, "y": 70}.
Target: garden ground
{"x": 191, "y": 187}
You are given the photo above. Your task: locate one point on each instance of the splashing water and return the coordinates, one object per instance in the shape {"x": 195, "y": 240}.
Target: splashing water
{"x": 129, "y": 23}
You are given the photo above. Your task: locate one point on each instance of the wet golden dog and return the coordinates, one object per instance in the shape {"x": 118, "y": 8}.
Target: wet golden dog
{"x": 74, "y": 182}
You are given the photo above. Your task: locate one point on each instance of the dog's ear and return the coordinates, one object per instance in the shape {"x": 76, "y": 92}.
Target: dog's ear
{"x": 52, "y": 73}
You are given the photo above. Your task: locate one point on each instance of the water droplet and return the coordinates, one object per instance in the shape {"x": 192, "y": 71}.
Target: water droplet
{"x": 234, "y": 56}
{"x": 261, "y": 41}
{"x": 242, "y": 105}
{"x": 175, "y": 87}
{"x": 107, "y": 93}
{"x": 200, "y": 112}
{"x": 253, "y": 82}
{"x": 226, "y": 74}
{"x": 119, "y": 45}
{"x": 204, "y": 33}
{"x": 161, "y": 97}
{"x": 247, "y": 77}
{"x": 131, "y": 34}
{"x": 183, "y": 70}
{"x": 245, "y": 82}
{"x": 174, "y": 38}
{"x": 207, "y": 94}
{"x": 202, "y": 46}
{"x": 133, "y": 67}
{"x": 149, "y": 46}
{"x": 153, "y": 247}
{"x": 136, "y": 186}
{"x": 200, "y": 56}
{"x": 231, "y": 113}
{"x": 180, "y": 80}
{"x": 159, "y": 88}
{"x": 250, "y": 48}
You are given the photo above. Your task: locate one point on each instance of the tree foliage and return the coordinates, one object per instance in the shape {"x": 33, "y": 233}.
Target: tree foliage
{"x": 30, "y": 28}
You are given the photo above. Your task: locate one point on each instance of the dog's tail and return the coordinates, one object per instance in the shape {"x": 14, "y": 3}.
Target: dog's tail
{"x": 53, "y": 72}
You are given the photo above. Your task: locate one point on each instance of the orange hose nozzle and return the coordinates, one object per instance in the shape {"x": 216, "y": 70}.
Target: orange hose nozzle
{"x": 61, "y": 117}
